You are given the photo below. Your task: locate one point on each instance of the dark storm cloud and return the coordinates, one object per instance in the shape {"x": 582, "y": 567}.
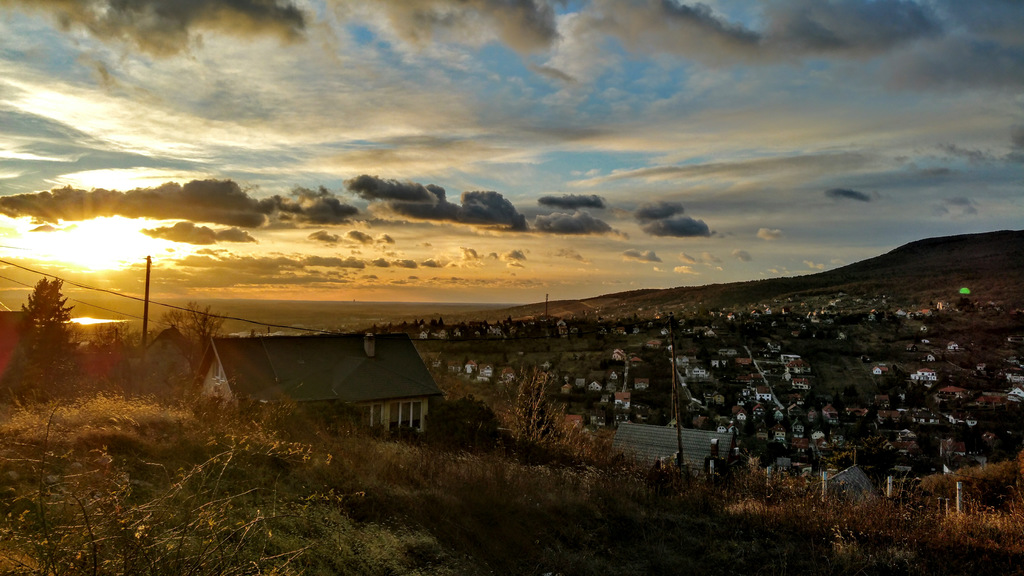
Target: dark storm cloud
{"x": 359, "y": 237}
{"x": 658, "y": 211}
{"x": 165, "y": 27}
{"x": 189, "y": 233}
{"x": 858, "y": 27}
{"x": 667, "y": 219}
{"x": 412, "y": 200}
{"x": 324, "y": 236}
{"x": 211, "y": 201}
{"x": 572, "y": 201}
{"x": 405, "y": 263}
{"x": 431, "y": 263}
{"x": 638, "y": 256}
{"x": 578, "y": 223}
{"x": 524, "y": 25}
{"x": 381, "y": 263}
{"x": 372, "y": 188}
{"x": 678, "y": 227}
{"x": 306, "y": 206}
{"x": 847, "y": 194}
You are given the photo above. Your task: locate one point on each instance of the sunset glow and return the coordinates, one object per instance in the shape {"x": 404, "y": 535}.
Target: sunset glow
{"x": 454, "y": 151}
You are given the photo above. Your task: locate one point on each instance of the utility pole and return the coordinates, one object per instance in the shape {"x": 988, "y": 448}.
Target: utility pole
{"x": 546, "y": 306}
{"x": 145, "y": 307}
{"x": 675, "y": 393}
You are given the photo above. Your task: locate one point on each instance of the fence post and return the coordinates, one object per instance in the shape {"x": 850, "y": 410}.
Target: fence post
{"x": 888, "y": 487}
{"x": 959, "y": 497}
{"x": 824, "y": 484}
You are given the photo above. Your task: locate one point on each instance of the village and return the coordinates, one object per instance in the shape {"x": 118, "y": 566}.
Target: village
{"x": 800, "y": 386}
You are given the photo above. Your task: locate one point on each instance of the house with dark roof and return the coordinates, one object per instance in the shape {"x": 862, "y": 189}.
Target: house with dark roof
{"x": 382, "y": 375}
{"x": 649, "y": 444}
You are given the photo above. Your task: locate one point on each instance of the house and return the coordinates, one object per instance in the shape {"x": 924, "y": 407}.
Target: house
{"x": 649, "y": 444}
{"x": 574, "y": 420}
{"x": 925, "y": 375}
{"x": 830, "y": 414}
{"x": 383, "y": 375}
{"x": 597, "y": 419}
{"x": 880, "y": 370}
{"x": 739, "y": 413}
{"x": 622, "y": 400}
{"x": 618, "y": 355}
{"x": 801, "y": 384}
{"x": 595, "y": 386}
{"x": 486, "y": 371}
{"x": 471, "y": 367}
{"x": 763, "y": 393}
{"x": 952, "y": 346}
{"x": 778, "y": 434}
{"x": 566, "y": 388}
{"x": 641, "y": 383}
{"x": 953, "y": 393}
{"x": 798, "y": 366}
{"x": 882, "y": 400}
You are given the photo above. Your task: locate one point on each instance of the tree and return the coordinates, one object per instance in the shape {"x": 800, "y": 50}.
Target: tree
{"x": 198, "y": 324}
{"x": 47, "y": 357}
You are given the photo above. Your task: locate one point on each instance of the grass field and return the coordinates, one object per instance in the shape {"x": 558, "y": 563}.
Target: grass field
{"x": 108, "y": 485}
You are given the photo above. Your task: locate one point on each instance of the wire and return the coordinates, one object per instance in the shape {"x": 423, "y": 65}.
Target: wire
{"x": 138, "y": 299}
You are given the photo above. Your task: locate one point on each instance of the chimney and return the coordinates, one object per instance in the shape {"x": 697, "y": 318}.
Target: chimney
{"x": 714, "y": 447}
{"x": 370, "y": 345}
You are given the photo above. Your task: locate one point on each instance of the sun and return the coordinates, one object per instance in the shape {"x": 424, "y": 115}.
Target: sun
{"x": 110, "y": 243}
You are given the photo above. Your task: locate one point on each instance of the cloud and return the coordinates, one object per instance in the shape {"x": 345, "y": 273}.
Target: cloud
{"x": 385, "y": 239}
{"x": 577, "y": 223}
{"x": 685, "y": 270}
{"x": 513, "y": 256}
{"x": 189, "y": 233}
{"x": 958, "y": 206}
{"x": 381, "y": 263}
{"x": 412, "y": 200}
{"x": 523, "y": 25}
{"x": 677, "y": 226}
{"x": 209, "y": 201}
{"x": 432, "y": 263}
{"x": 45, "y": 228}
{"x": 359, "y": 237}
{"x": 404, "y": 263}
{"x": 971, "y": 155}
{"x": 570, "y": 254}
{"x": 814, "y": 266}
{"x": 683, "y": 256}
{"x": 572, "y": 201}
{"x": 742, "y": 255}
{"x": 847, "y": 194}
{"x": 666, "y": 219}
{"x": 324, "y": 236}
{"x": 373, "y": 188}
{"x": 769, "y": 233}
{"x": 638, "y": 256}
{"x": 791, "y": 28}
{"x": 165, "y": 27}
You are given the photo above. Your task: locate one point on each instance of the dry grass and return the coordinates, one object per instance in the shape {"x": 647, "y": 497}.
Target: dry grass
{"x": 109, "y": 485}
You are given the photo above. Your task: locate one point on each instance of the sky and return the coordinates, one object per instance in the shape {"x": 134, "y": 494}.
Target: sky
{"x": 496, "y": 150}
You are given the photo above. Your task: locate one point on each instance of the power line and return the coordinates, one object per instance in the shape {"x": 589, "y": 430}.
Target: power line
{"x": 172, "y": 306}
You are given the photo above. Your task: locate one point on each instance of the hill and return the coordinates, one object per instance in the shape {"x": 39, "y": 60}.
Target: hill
{"x": 922, "y": 272}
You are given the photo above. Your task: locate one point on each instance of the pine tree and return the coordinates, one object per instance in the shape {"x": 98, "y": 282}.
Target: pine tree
{"x": 48, "y": 351}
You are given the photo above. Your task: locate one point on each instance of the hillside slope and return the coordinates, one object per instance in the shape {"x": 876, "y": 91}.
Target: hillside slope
{"x": 989, "y": 264}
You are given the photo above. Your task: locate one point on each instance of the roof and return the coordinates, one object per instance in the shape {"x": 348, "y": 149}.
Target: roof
{"x": 852, "y": 483}
{"x": 648, "y": 443}
{"x": 314, "y": 368}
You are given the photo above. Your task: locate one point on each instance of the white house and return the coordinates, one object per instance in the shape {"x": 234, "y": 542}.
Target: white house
{"x": 925, "y": 375}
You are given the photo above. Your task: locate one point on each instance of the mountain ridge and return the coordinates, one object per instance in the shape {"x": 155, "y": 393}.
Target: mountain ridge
{"x": 933, "y": 269}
